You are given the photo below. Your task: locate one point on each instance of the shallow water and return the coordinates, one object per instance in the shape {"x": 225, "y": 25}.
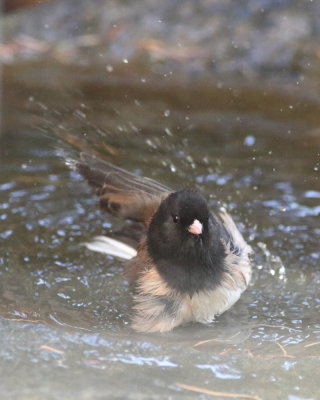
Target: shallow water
{"x": 65, "y": 311}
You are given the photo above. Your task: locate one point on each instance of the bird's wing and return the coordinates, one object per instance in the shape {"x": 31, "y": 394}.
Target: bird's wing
{"x": 237, "y": 243}
{"x": 122, "y": 193}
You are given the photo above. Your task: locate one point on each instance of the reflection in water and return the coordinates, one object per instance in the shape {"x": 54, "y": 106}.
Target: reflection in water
{"x": 67, "y": 311}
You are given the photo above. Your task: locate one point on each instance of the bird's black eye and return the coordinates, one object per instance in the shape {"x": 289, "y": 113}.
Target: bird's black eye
{"x": 175, "y": 218}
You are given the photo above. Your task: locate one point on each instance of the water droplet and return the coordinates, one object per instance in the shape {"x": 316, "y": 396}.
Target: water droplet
{"x": 249, "y": 141}
{"x": 205, "y": 160}
{"x": 251, "y": 237}
{"x": 166, "y": 113}
{"x": 168, "y": 131}
{"x": 80, "y": 114}
{"x": 151, "y": 144}
{"x": 109, "y": 68}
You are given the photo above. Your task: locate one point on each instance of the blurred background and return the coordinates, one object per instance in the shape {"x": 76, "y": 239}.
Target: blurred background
{"x": 220, "y": 95}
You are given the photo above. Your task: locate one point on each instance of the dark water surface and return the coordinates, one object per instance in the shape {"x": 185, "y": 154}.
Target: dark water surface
{"x": 65, "y": 311}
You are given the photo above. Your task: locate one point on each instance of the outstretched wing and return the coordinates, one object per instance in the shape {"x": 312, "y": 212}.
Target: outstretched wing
{"x": 122, "y": 193}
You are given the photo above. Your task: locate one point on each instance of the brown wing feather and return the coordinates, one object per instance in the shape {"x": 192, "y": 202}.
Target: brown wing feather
{"x": 122, "y": 193}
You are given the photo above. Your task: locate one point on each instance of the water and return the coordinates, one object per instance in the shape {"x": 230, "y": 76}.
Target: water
{"x": 65, "y": 311}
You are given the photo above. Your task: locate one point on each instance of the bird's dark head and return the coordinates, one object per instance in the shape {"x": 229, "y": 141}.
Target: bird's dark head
{"x": 181, "y": 219}
{"x": 182, "y": 241}
{"x": 189, "y": 212}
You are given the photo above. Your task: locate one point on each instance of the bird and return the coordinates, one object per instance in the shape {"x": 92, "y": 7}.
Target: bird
{"x": 191, "y": 264}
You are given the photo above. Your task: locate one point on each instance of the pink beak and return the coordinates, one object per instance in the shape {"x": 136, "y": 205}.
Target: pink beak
{"x": 195, "y": 228}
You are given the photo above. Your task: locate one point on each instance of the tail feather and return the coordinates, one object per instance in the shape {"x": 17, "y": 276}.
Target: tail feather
{"x": 106, "y": 245}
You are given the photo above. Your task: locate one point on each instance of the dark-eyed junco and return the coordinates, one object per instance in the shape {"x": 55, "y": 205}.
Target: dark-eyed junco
{"x": 191, "y": 264}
